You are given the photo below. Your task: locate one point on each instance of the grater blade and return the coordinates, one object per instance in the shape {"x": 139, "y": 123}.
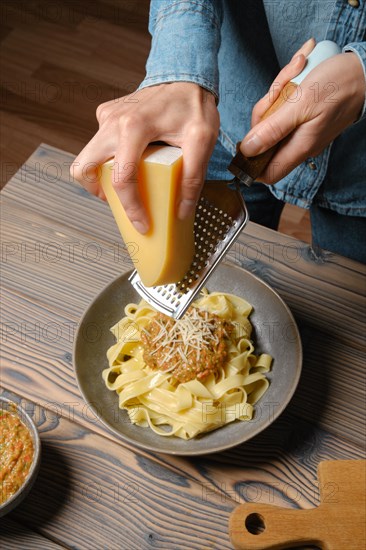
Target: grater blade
{"x": 221, "y": 214}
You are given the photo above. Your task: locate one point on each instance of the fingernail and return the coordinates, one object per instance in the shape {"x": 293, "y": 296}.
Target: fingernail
{"x": 295, "y": 59}
{"x": 186, "y": 208}
{"x": 312, "y": 39}
{"x": 252, "y": 145}
{"x": 141, "y": 227}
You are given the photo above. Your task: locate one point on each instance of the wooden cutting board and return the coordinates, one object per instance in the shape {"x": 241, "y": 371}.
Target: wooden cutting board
{"x": 339, "y": 522}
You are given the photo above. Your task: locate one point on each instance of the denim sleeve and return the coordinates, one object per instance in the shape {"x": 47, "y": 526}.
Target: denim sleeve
{"x": 359, "y": 48}
{"x": 185, "y": 43}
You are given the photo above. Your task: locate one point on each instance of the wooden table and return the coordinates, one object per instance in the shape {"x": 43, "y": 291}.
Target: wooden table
{"x": 60, "y": 248}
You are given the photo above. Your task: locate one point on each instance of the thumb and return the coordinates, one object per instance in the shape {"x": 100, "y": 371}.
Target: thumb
{"x": 271, "y": 130}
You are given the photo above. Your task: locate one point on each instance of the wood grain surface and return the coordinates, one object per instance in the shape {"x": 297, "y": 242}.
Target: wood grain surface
{"x": 339, "y": 520}
{"x": 14, "y": 535}
{"x": 104, "y": 496}
{"x": 59, "y": 61}
{"x": 90, "y": 490}
{"x": 60, "y": 248}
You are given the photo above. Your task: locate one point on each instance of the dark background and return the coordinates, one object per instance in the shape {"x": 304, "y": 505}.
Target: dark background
{"x": 60, "y": 60}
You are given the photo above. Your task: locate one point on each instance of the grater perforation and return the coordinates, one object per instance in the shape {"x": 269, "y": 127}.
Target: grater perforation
{"x": 220, "y": 216}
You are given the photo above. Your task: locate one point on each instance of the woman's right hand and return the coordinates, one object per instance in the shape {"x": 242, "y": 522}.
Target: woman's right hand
{"x": 179, "y": 113}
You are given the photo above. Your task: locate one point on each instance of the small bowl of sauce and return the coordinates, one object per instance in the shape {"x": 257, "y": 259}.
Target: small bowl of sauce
{"x": 20, "y": 452}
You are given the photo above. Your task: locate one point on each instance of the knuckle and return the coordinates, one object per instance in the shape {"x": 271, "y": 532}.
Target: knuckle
{"x": 130, "y": 121}
{"x": 102, "y": 112}
{"x": 192, "y": 183}
{"x": 107, "y": 110}
{"x": 191, "y": 187}
{"x": 124, "y": 175}
{"x": 274, "y": 129}
{"x": 132, "y": 210}
{"x": 118, "y": 181}
{"x": 202, "y": 132}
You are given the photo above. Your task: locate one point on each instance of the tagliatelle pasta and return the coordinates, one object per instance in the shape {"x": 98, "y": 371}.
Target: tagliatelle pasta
{"x": 156, "y": 398}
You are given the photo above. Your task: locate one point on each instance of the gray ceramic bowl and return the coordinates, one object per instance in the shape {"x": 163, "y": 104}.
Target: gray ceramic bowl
{"x": 275, "y": 332}
{"x": 13, "y": 501}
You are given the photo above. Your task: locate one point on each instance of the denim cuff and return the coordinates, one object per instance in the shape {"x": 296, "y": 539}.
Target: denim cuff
{"x": 359, "y": 48}
{"x": 185, "y": 43}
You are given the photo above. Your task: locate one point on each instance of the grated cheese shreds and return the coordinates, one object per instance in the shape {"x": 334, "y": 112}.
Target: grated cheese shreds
{"x": 196, "y": 342}
{"x": 193, "y": 331}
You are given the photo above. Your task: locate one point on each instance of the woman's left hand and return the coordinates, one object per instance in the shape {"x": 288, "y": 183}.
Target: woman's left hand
{"x": 326, "y": 102}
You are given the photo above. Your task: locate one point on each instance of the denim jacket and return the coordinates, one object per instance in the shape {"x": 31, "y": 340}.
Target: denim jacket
{"x": 235, "y": 49}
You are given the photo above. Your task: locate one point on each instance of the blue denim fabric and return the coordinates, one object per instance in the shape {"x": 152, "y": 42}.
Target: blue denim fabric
{"x": 344, "y": 235}
{"x": 331, "y": 231}
{"x": 186, "y": 41}
{"x": 235, "y": 49}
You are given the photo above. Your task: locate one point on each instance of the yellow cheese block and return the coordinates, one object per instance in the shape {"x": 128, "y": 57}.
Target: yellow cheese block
{"x": 164, "y": 254}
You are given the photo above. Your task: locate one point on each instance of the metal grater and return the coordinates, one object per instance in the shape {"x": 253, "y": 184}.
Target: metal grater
{"x": 221, "y": 214}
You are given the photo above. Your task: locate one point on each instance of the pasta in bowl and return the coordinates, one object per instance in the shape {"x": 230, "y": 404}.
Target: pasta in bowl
{"x": 210, "y": 412}
{"x": 193, "y": 375}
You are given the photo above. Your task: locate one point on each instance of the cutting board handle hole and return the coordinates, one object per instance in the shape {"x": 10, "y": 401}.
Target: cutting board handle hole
{"x": 254, "y": 524}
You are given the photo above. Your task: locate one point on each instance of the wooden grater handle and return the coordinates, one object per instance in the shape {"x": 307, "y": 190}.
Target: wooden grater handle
{"x": 266, "y": 527}
{"x": 254, "y": 166}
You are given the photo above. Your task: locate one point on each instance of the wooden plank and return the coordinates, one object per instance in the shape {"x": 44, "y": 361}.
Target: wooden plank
{"x": 68, "y": 15}
{"x": 92, "y": 493}
{"x": 327, "y": 525}
{"x": 61, "y": 44}
{"x": 331, "y": 284}
{"x": 121, "y": 14}
{"x": 14, "y": 536}
{"x": 51, "y": 282}
{"x": 34, "y": 103}
{"x": 107, "y": 40}
{"x": 39, "y": 292}
{"x": 75, "y": 91}
{"x": 33, "y": 24}
{"x": 60, "y": 51}
{"x": 21, "y": 136}
{"x": 86, "y": 481}
{"x": 38, "y": 337}
{"x": 278, "y": 466}
{"x": 4, "y": 31}
{"x": 52, "y": 93}
{"x": 40, "y": 15}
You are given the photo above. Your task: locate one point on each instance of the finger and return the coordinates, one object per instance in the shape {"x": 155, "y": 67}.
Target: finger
{"x": 132, "y": 143}
{"x": 306, "y": 48}
{"x": 197, "y": 148}
{"x": 289, "y": 72}
{"x": 294, "y": 150}
{"x": 85, "y": 168}
{"x": 271, "y": 130}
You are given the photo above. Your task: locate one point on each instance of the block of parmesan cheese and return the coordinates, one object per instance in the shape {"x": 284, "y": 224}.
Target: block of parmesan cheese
{"x": 164, "y": 254}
